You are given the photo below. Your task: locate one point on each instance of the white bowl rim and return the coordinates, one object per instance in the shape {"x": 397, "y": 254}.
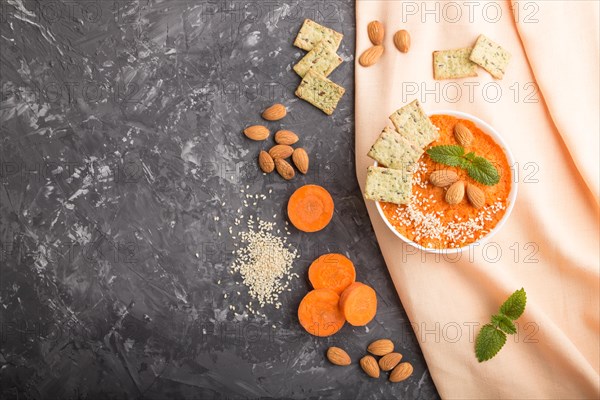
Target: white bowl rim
{"x": 512, "y": 195}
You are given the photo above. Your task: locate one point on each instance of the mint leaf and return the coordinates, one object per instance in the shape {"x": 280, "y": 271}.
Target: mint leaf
{"x": 450, "y": 155}
{"x": 470, "y": 156}
{"x": 489, "y": 342}
{"x": 492, "y": 336}
{"x": 477, "y": 167}
{"x": 503, "y": 322}
{"x": 483, "y": 171}
{"x": 514, "y": 306}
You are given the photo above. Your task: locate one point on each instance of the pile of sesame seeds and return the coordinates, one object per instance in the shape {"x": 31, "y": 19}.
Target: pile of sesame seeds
{"x": 262, "y": 256}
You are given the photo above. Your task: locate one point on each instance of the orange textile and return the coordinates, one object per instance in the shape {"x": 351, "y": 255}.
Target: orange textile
{"x": 547, "y": 109}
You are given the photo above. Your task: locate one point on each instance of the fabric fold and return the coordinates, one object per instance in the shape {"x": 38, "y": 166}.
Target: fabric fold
{"x": 546, "y": 108}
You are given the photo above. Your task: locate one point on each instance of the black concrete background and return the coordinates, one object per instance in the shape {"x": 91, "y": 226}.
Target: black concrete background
{"x": 123, "y": 164}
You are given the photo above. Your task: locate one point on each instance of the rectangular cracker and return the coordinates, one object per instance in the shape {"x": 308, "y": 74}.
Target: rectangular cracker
{"x": 412, "y": 123}
{"x": 322, "y": 58}
{"x": 320, "y": 91}
{"x": 389, "y": 185}
{"x": 392, "y": 150}
{"x": 312, "y": 33}
{"x": 490, "y": 56}
{"x": 453, "y": 64}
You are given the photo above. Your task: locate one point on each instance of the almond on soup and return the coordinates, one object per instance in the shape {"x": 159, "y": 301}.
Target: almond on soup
{"x": 434, "y": 223}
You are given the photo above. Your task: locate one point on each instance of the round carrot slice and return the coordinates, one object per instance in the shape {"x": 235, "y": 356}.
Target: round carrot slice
{"x": 358, "y": 304}
{"x": 332, "y": 271}
{"x": 319, "y": 313}
{"x": 310, "y": 208}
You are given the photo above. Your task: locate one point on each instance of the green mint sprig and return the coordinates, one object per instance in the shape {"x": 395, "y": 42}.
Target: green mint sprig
{"x": 477, "y": 167}
{"x": 492, "y": 336}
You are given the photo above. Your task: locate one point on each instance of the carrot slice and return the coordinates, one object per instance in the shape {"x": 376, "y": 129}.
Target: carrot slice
{"x": 332, "y": 271}
{"x": 319, "y": 313}
{"x": 358, "y": 304}
{"x": 310, "y": 208}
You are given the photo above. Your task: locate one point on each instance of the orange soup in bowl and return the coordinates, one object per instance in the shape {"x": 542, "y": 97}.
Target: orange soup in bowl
{"x": 429, "y": 220}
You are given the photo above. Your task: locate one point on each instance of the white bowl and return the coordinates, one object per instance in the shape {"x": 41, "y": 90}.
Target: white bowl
{"x": 512, "y": 196}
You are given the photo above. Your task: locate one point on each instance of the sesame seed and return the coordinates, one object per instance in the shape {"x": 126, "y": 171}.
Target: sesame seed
{"x": 263, "y": 259}
{"x": 427, "y": 227}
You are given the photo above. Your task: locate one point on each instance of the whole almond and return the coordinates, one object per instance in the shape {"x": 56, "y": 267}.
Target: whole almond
{"x": 381, "y": 347}
{"x": 402, "y": 40}
{"x": 376, "y": 32}
{"x": 300, "y": 159}
{"x": 370, "y": 56}
{"x": 455, "y": 193}
{"x": 275, "y": 112}
{"x": 285, "y": 137}
{"x": 401, "y": 372}
{"x": 338, "y": 356}
{"x": 256, "y": 132}
{"x": 443, "y": 177}
{"x": 265, "y": 162}
{"x": 389, "y": 361}
{"x": 369, "y": 365}
{"x": 463, "y": 135}
{"x": 281, "y": 151}
{"x": 284, "y": 169}
{"x": 475, "y": 195}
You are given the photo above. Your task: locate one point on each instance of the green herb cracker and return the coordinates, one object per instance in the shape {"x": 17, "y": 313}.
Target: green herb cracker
{"x": 322, "y": 58}
{"x": 312, "y": 33}
{"x": 388, "y": 185}
{"x": 392, "y": 150}
{"x": 412, "y": 123}
{"x": 320, "y": 91}
{"x": 453, "y": 64}
{"x": 490, "y": 56}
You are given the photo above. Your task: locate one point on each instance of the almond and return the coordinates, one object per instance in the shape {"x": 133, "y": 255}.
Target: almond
{"x": 389, "y": 361}
{"x": 463, "y": 135}
{"x": 285, "y": 137}
{"x": 381, "y": 347}
{"x": 370, "y": 56}
{"x": 284, "y": 169}
{"x": 281, "y": 151}
{"x": 475, "y": 195}
{"x": 275, "y": 112}
{"x": 300, "y": 159}
{"x": 402, "y": 40}
{"x": 455, "y": 193}
{"x": 265, "y": 162}
{"x": 443, "y": 177}
{"x": 401, "y": 372}
{"x": 256, "y": 132}
{"x": 369, "y": 365}
{"x": 376, "y": 32}
{"x": 338, "y": 356}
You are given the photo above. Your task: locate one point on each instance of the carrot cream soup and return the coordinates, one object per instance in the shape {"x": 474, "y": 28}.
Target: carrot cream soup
{"x": 432, "y": 222}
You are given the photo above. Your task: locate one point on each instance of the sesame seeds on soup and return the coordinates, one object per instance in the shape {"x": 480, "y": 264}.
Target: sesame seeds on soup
{"x": 431, "y": 222}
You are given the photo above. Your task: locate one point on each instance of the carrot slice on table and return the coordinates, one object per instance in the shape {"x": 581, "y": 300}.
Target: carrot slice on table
{"x": 359, "y": 304}
{"x": 319, "y": 313}
{"x": 331, "y": 271}
{"x": 310, "y": 208}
